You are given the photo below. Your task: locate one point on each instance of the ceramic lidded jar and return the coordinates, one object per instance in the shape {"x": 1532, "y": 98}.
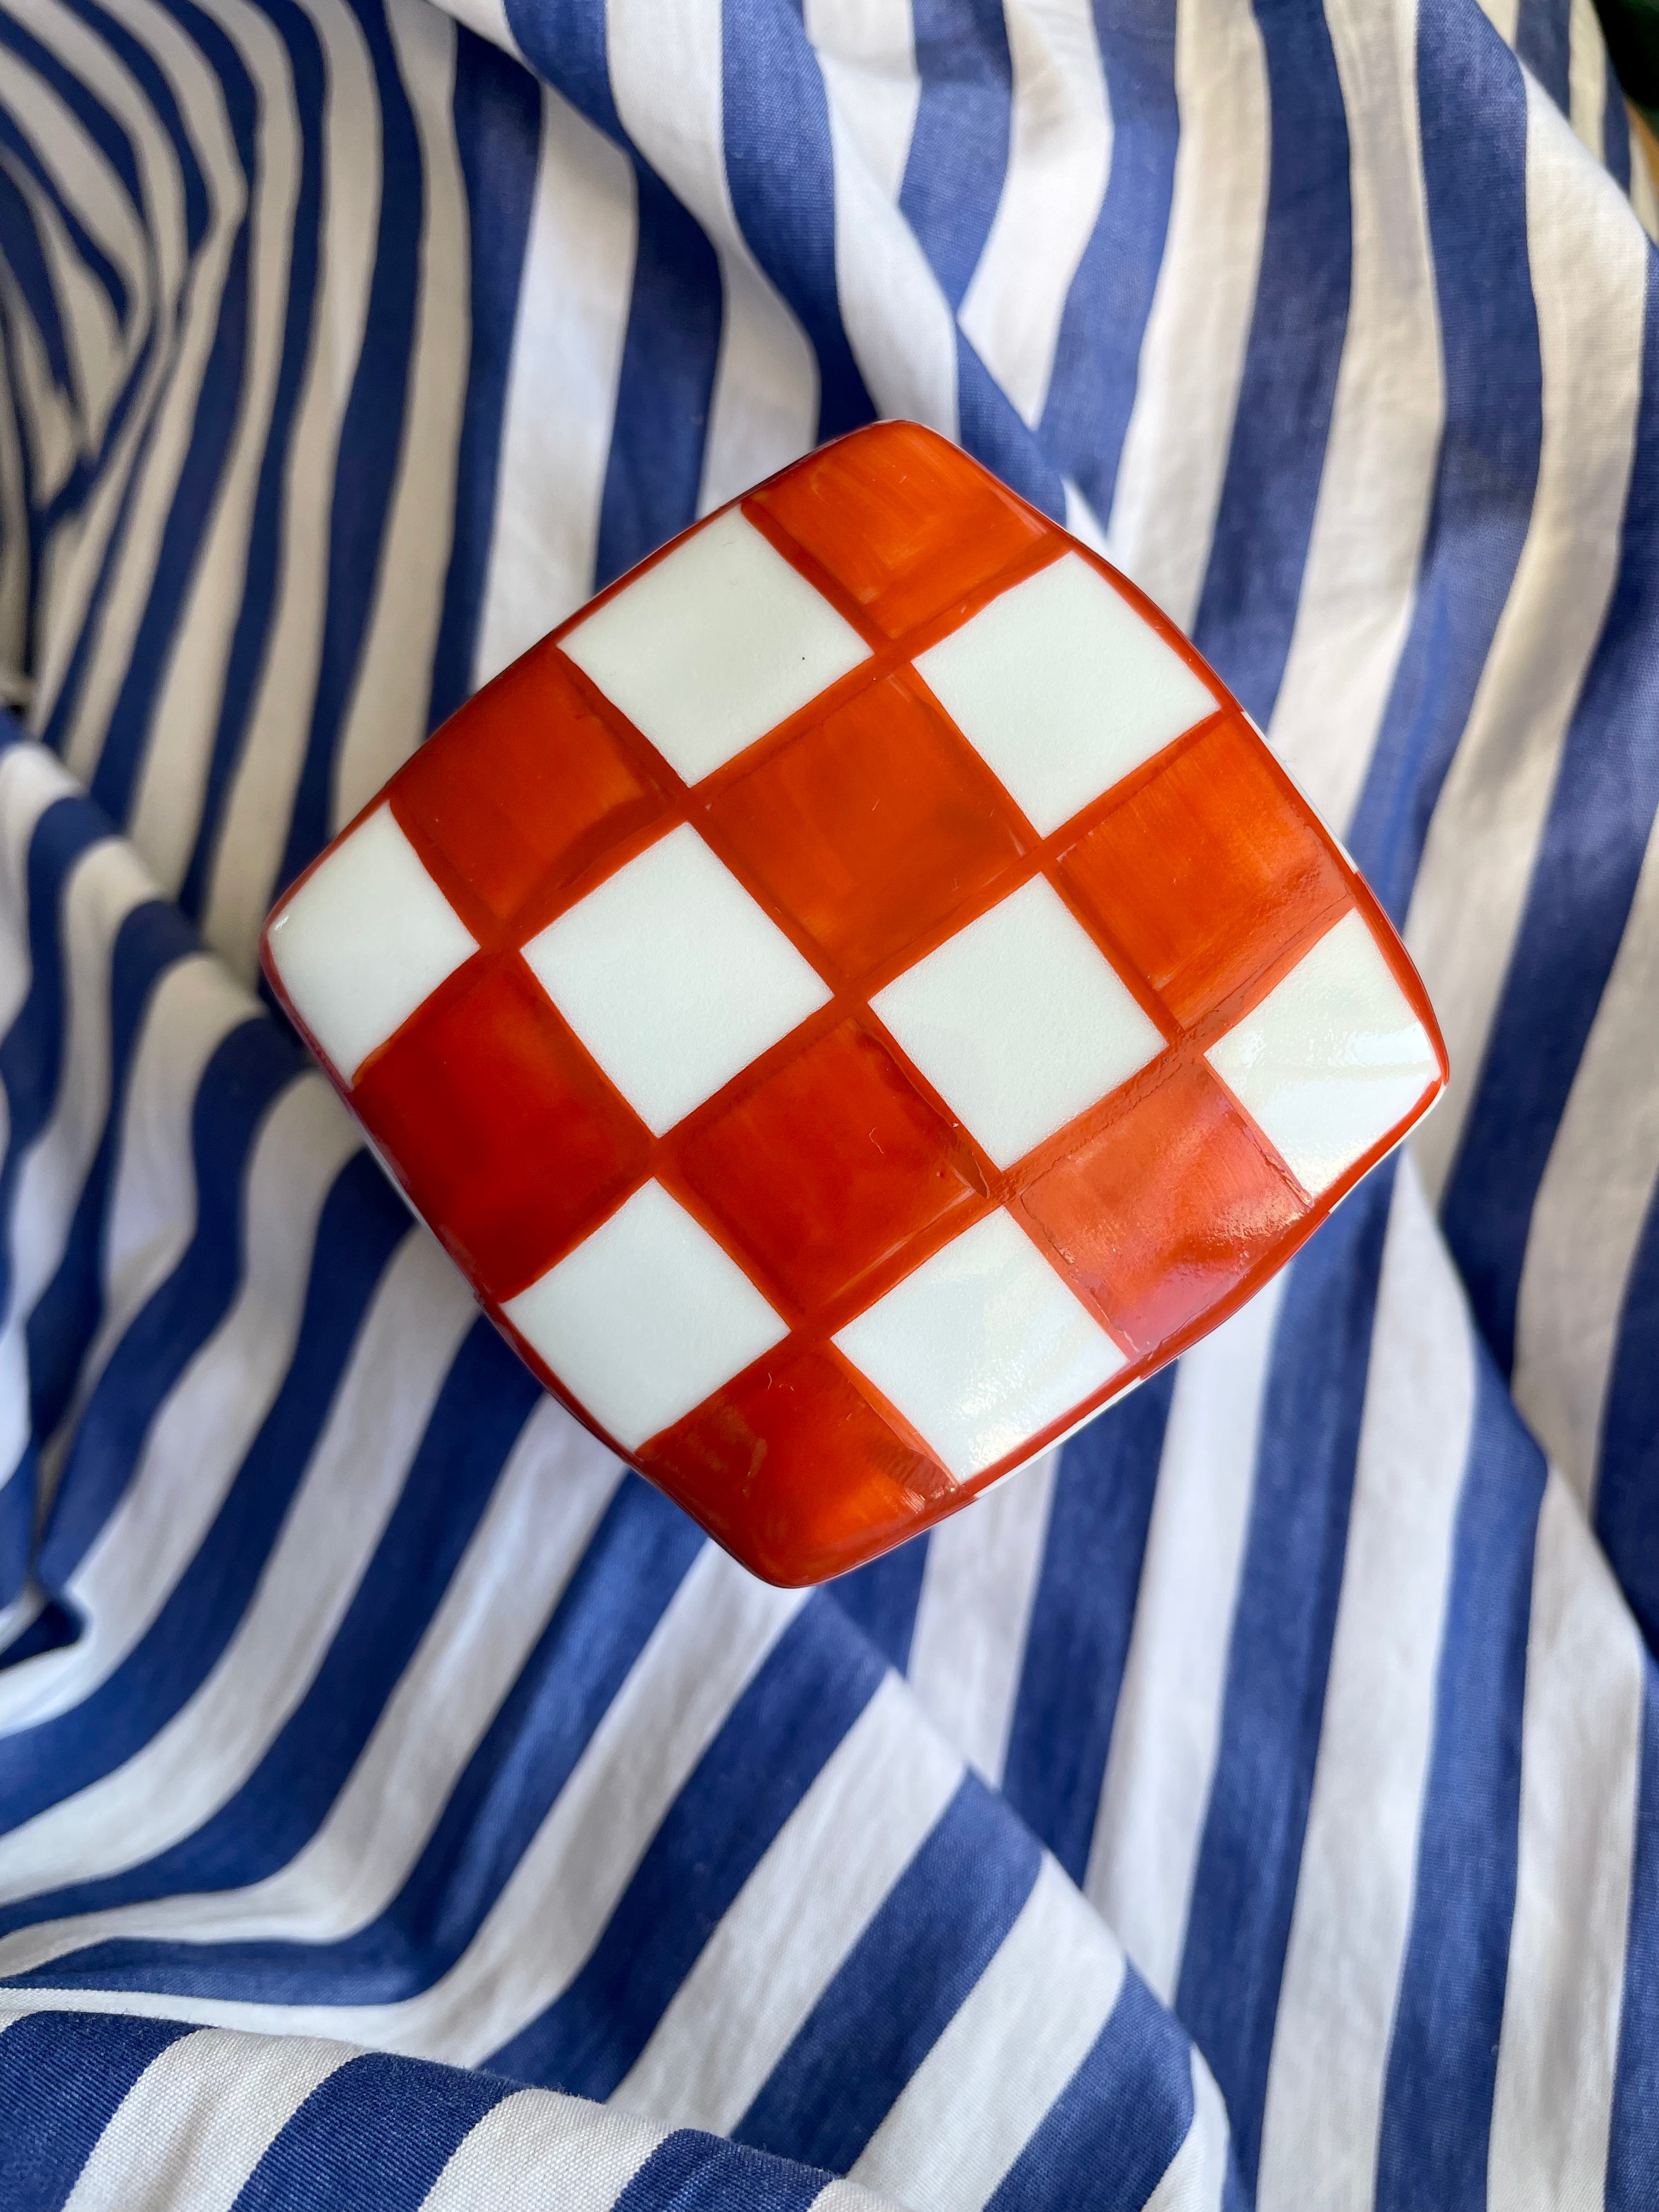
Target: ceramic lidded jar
{"x": 856, "y": 1000}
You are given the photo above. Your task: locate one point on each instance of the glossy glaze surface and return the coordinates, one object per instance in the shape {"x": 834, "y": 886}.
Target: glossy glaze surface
{"x": 856, "y": 1000}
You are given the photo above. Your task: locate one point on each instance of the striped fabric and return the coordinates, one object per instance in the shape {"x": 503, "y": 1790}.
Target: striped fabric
{"x": 1255, "y": 1804}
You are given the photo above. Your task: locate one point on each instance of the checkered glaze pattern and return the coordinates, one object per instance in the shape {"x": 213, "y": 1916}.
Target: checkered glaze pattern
{"x": 856, "y": 1000}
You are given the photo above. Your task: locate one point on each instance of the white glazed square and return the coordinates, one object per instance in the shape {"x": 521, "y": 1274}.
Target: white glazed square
{"x": 673, "y": 978}
{"x": 645, "y": 1317}
{"x": 1063, "y": 689}
{"x": 364, "y": 940}
{"x": 981, "y": 1347}
{"x": 714, "y": 646}
{"x": 1019, "y": 1022}
{"x": 1332, "y": 1058}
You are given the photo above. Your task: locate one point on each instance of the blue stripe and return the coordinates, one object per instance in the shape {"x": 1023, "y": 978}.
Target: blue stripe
{"x": 672, "y": 344}
{"x": 1097, "y": 364}
{"x": 156, "y": 90}
{"x": 1244, "y": 1886}
{"x": 61, "y": 2076}
{"x": 1248, "y": 606}
{"x": 51, "y": 1630}
{"x": 1632, "y": 2183}
{"x": 1543, "y": 42}
{"x": 360, "y": 1225}
{"x": 29, "y": 270}
{"x": 269, "y": 552}
{"x": 1615, "y": 128}
{"x": 498, "y": 121}
{"x": 882, "y": 1599}
{"x": 484, "y": 1402}
{"x": 1629, "y": 1479}
{"x": 604, "y": 1618}
{"x": 17, "y": 1493}
{"x": 899, "y": 1987}
{"x": 141, "y": 65}
{"x": 66, "y": 1316}
{"x": 994, "y": 434}
{"x": 1448, "y": 2010}
{"x": 959, "y": 146}
{"x": 243, "y": 1079}
{"x": 213, "y": 430}
{"x": 1081, "y": 1617}
{"x": 372, "y": 432}
{"x": 374, "y": 2135}
{"x": 103, "y": 127}
{"x": 32, "y": 1052}
{"x": 665, "y": 385}
{"x": 1589, "y": 857}
{"x": 1475, "y": 183}
{"x": 25, "y": 153}
{"x": 689, "y": 2173}
{"x": 25, "y": 534}
{"x": 769, "y": 1750}
{"x": 781, "y": 176}
{"x": 100, "y": 122}
{"x": 1111, "y": 2133}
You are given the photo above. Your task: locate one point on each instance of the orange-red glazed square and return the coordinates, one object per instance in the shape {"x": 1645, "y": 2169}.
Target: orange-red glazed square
{"x": 856, "y": 1000}
{"x": 828, "y": 1167}
{"x": 871, "y": 827}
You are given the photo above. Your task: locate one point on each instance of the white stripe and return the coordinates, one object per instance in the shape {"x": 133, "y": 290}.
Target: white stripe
{"x": 540, "y": 2152}
{"x": 814, "y": 1892}
{"x": 1195, "y": 2179}
{"x": 1156, "y": 1785}
{"x": 1175, "y": 450}
{"x": 1060, "y": 154}
{"x": 1592, "y": 1206}
{"x": 15, "y": 562}
{"x": 974, "y": 2103}
{"x": 898, "y": 320}
{"x": 151, "y": 1212}
{"x": 200, "y": 1758}
{"x": 106, "y": 882}
{"x": 24, "y": 1610}
{"x": 866, "y": 51}
{"x": 666, "y": 75}
{"x": 90, "y": 190}
{"x": 978, "y": 1587}
{"x": 489, "y": 19}
{"x": 553, "y": 1488}
{"x": 190, "y": 2131}
{"x": 210, "y": 1418}
{"x": 1587, "y": 76}
{"x": 47, "y": 411}
{"x": 82, "y": 175}
{"x": 91, "y": 61}
{"x": 1358, "y": 1875}
{"x": 1587, "y": 265}
{"x": 1504, "y": 17}
{"x": 254, "y": 830}
{"x": 712, "y": 1637}
{"x": 1359, "y": 580}
{"x": 1580, "y": 1750}
{"x": 845, "y": 2197}
{"x": 392, "y": 688}
{"x": 31, "y": 781}
{"x": 574, "y": 297}
{"x": 158, "y": 437}
{"x": 91, "y": 336}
